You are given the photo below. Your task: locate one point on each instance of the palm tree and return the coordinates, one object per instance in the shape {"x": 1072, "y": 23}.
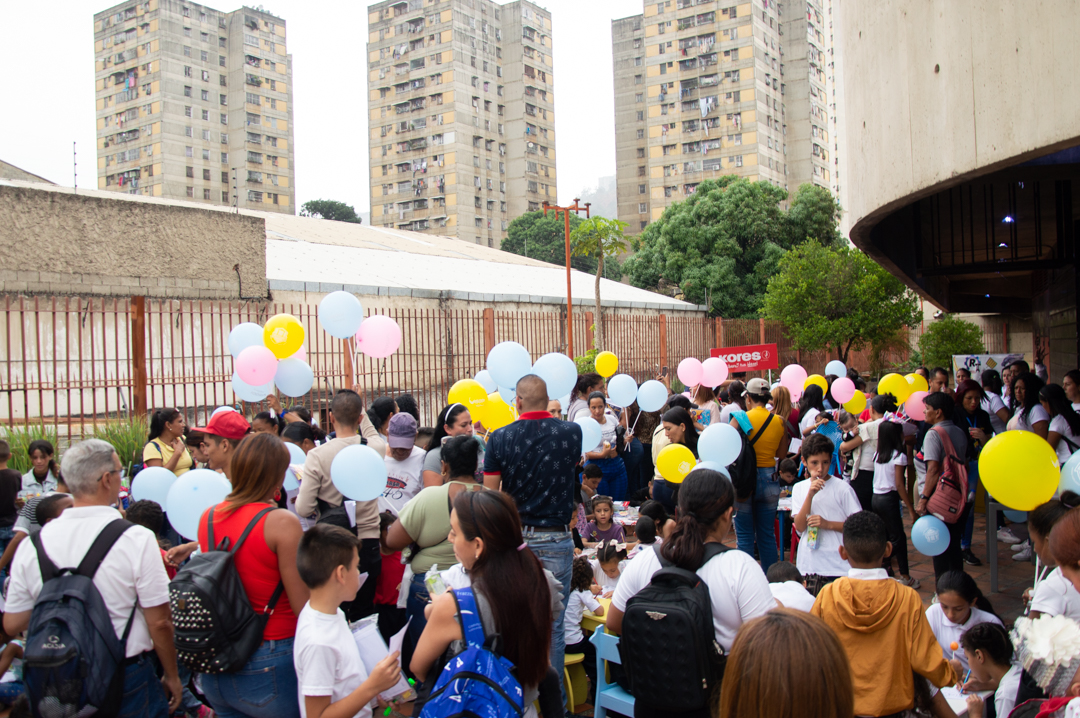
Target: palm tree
{"x": 601, "y": 238}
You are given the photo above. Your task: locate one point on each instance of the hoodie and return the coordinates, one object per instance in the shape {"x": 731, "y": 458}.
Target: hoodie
{"x": 884, "y": 631}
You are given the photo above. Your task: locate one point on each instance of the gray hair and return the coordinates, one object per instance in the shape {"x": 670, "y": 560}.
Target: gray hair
{"x": 85, "y": 463}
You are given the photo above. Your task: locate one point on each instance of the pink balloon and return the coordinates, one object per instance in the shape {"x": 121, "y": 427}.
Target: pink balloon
{"x": 379, "y": 336}
{"x": 914, "y": 406}
{"x": 843, "y": 389}
{"x": 690, "y": 371}
{"x": 300, "y": 354}
{"x": 792, "y": 378}
{"x": 256, "y": 365}
{"x": 714, "y": 371}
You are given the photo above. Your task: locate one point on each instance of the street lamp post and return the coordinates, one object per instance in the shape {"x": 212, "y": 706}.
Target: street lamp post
{"x": 566, "y": 233}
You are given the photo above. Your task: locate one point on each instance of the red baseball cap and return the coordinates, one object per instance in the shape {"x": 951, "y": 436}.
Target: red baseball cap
{"x": 228, "y": 425}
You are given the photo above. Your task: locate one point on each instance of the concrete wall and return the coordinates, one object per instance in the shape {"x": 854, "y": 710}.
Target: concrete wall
{"x": 58, "y": 243}
{"x": 939, "y": 92}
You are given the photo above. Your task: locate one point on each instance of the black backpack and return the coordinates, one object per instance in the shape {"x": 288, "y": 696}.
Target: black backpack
{"x": 73, "y": 663}
{"x": 743, "y": 470}
{"x": 217, "y": 630}
{"x": 668, "y": 646}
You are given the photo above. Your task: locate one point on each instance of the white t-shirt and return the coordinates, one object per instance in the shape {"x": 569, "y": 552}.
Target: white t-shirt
{"x": 602, "y": 579}
{"x": 727, "y": 411}
{"x": 1008, "y": 687}
{"x": 403, "y": 480}
{"x": 326, "y": 658}
{"x": 607, "y": 429}
{"x": 575, "y": 609}
{"x": 132, "y": 570}
{"x": 1057, "y": 596}
{"x": 737, "y": 588}
{"x": 1036, "y": 415}
{"x": 868, "y": 433}
{"x": 807, "y": 420}
{"x": 793, "y": 595}
{"x": 1061, "y": 426}
{"x": 947, "y": 632}
{"x": 885, "y": 474}
{"x": 835, "y": 502}
{"x": 992, "y": 404}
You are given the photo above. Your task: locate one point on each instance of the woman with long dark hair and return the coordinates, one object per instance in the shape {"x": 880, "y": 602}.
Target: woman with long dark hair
{"x": 678, "y": 428}
{"x": 978, "y": 424}
{"x": 579, "y": 397}
{"x": 738, "y": 589}
{"x": 1063, "y": 434}
{"x": 736, "y": 397}
{"x": 1071, "y": 384}
{"x": 514, "y": 596}
{"x": 890, "y": 488}
{"x": 992, "y": 403}
{"x": 44, "y": 473}
{"x": 811, "y": 403}
{"x": 165, "y": 445}
{"x": 1028, "y": 413}
{"x": 606, "y": 456}
{"x": 379, "y": 414}
{"x": 454, "y": 420}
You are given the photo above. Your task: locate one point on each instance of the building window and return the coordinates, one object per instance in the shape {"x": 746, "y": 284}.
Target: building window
{"x": 640, "y": 115}
{"x": 187, "y": 91}
{"x": 187, "y": 111}
{"x": 641, "y": 189}
{"x": 206, "y": 114}
{"x": 191, "y": 192}
{"x": 187, "y": 70}
{"x": 190, "y": 172}
{"x": 205, "y": 95}
{"x": 640, "y": 151}
{"x": 187, "y": 51}
{"x": 641, "y": 134}
{"x": 641, "y": 208}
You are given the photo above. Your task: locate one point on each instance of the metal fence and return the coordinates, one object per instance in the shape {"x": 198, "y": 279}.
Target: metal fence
{"x": 74, "y": 362}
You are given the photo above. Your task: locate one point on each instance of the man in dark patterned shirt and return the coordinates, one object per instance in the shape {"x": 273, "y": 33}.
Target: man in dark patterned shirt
{"x": 534, "y": 460}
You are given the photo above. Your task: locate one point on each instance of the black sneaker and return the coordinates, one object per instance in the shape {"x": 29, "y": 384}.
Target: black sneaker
{"x": 971, "y": 559}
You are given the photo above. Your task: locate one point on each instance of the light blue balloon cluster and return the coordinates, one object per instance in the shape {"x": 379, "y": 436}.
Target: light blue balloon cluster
{"x": 720, "y": 444}
{"x": 591, "y": 433}
{"x": 359, "y": 473}
{"x": 250, "y": 393}
{"x": 930, "y": 536}
{"x": 294, "y": 377}
{"x": 152, "y": 484}
{"x": 559, "y": 373}
{"x": 652, "y": 395}
{"x": 507, "y": 362}
{"x": 340, "y": 314}
{"x": 242, "y": 336}
{"x": 190, "y": 496}
{"x": 622, "y": 390}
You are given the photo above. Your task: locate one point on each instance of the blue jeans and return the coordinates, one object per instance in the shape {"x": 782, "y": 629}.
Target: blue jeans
{"x": 143, "y": 692}
{"x": 555, "y": 549}
{"x": 264, "y": 688}
{"x": 6, "y": 534}
{"x": 615, "y": 477}
{"x": 664, "y": 492}
{"x": 10, "y": 691}
{"x": 415, "y": 605}
{"x": 755, "y": 519}
{"x": 633, "y": 458}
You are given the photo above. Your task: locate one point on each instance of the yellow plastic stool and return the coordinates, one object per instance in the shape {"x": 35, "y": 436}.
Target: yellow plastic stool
{"x": 577, "y": 684}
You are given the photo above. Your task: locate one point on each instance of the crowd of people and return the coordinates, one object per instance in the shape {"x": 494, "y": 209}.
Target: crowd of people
{"x": 513, "y": 535}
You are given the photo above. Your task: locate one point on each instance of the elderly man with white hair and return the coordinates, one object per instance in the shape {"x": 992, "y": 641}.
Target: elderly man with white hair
{"x": 131, "y": 578}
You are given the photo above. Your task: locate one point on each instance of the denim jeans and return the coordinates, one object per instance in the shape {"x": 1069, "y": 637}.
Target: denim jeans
{"x": 664, "y": 492}
{"x": 6, "y": 534}
{"x": 755, "y": 519}
{"x": 143, "y": 692}
{"x": 555, "y": 549}
{"x": 415, "y": 605}
{"x": 633, "y": 457}
{"x": 264, "y": 688}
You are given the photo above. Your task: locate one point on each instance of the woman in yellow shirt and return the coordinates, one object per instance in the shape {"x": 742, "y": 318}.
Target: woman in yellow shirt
{"x": 166, "y": 445}
{"x": 755, "y": 517}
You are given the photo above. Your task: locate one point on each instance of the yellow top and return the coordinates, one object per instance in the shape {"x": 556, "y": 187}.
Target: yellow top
{"x": 158, "y": 449}
{"x": 765, "y": 447}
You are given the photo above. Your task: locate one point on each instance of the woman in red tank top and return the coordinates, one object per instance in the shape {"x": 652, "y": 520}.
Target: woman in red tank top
{"x": 266, "y": 686}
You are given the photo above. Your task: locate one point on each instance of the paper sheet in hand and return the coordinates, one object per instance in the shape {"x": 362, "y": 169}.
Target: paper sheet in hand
{"x": 958, "y": 701}
{"x": 373, "y": 649}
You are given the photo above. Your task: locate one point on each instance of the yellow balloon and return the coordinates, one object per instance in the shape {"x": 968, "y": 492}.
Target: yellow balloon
{"x": 283, "y": 335}
{"x": 817, "y": 379}
{"x": 896, "y": 385}
{"x": 917, "y": 382}
{"x": 606, "y": 364}
{"x": 470, "y": 394}
{"x": 496, "y": 413}
{"x": 1019, "y": 469}
{"x": 856, "y": 404}
{"x": 675, "y": 461}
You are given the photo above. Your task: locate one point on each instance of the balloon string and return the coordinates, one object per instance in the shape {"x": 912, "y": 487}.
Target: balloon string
{"x": 636, "y": 420}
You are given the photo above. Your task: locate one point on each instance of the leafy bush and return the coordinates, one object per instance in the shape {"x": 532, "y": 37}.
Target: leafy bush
{"x": 127, "y": 436}
{"x": 947, "y": 336}
{"x": 586, "y": 362}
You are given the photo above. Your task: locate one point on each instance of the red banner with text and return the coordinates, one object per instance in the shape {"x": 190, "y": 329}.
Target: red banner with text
{"x": 754, "y": 357}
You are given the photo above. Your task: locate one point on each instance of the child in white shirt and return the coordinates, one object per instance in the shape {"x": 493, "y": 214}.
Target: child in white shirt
{"x": 331, "y": 677}
{"x": 581, "y": 598}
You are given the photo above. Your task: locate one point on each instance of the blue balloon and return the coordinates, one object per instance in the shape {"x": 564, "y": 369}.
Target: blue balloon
{"x": 507, "y": 362}
{"x": 291, "y": 483}
{"x": 294, "y": 377}
{"x": 296, "y": 454}
{"x": 251, "y": 393}
{"x": 359, "y": 473}
{"x": 1070, "y": 475}
{"x": 836, "y": 368}
{"x": 651, "y": 396}
{"x": 340, "y": 314}
{"x": 711, "y": 465}
{"x": 720, "y": 443}
{"x": 564, "y": 404}
{"x": 622, "y": 390}
{"x": 591, "y": 433}
{"x": 191, "y": 495}
{"x": 930, "y": 535}
{"x": 559, "y": 373}
{"x": 508, "y": 395}
{"x": 243, "y": 336}
{"x": 483, "y": 378}
{"x": 1019, "y": 517}
{"x": 152, "y": 484}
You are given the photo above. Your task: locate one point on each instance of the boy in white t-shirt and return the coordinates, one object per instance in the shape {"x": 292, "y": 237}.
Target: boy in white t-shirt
{"x": 330, "y": 675}
{"x": 788, "y": 587}
{"x": 821, "y": 503}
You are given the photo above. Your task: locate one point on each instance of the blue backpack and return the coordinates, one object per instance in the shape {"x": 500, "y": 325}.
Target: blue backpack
{"x": 475, "y": 682}
{"x": 73, "y": 663}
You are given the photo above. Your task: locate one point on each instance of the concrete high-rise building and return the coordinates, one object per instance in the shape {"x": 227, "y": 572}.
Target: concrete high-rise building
{"x": 703, "y": 91}
{"x": 461, "y": 104}
{"x": 194, "y": 103}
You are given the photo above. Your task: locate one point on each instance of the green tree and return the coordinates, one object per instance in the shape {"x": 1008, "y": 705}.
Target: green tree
{"x": 722, "y": 244}
{"x": 947, "y": 336}
{"x": 601, "y": 239}
{"x": 329, "y": 209}
{"x": 837, "y": 298}
{"x": 544, "y": 239}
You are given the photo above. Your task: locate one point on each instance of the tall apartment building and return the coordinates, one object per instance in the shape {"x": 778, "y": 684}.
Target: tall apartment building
{"x": 461, "y": 101}
{"x": 194, "y": 103}
{"x": 703, "y": 91}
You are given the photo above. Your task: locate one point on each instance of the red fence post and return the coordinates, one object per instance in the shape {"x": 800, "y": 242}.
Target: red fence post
{"x": 588, "y": 334}
{"x": 138, "y": 355}
{"x": 663, "y": 340}
{"x": 489, "y": 330}
{"x": 761, "y": 328}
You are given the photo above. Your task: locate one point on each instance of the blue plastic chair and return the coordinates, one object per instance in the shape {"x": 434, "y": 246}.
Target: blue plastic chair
{"x": 609, "y": 695}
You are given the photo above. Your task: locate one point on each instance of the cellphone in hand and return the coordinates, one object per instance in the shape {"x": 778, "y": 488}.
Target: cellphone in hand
{"x": 664, "y": 371}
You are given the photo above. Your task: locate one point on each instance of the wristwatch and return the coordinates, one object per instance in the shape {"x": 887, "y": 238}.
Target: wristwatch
{"x": 924, "y": 498}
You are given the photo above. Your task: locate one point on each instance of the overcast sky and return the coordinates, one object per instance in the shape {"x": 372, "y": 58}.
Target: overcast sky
{"x": 326, "y": 40}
